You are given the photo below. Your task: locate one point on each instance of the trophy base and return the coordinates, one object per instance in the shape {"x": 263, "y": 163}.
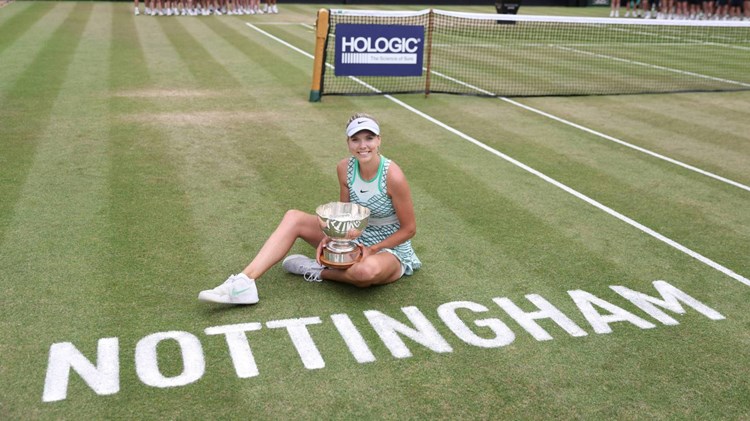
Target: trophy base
{"x": 340, "y": 260}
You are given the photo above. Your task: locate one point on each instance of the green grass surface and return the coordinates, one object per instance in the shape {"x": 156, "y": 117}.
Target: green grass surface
{"x": 144, "y": 159}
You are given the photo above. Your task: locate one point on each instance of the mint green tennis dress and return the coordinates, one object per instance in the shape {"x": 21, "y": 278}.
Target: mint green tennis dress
{"x": 383, "y": 221}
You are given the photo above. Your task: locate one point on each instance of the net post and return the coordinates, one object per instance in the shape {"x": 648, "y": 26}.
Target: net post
{"x": 321, "y": 35}
{"x": 430, "y": 22}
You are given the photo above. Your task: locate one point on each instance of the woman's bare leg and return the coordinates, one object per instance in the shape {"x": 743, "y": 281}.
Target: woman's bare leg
{"x": 295, "y": 224}
{"x": 377, "y": 269}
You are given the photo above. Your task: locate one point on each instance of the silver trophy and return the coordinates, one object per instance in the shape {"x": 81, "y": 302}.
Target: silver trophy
{"x": 342, "y": 222}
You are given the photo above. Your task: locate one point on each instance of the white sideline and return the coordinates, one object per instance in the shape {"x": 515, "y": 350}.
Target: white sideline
{"x": 653, "y": 66}
{"x": 610, "y": 211}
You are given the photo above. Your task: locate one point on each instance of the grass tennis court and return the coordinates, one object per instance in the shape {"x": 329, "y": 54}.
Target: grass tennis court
{"x": 144, "y": 159}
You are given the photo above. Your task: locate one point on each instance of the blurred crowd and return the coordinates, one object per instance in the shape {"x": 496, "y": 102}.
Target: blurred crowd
{"x": 682, "y": 9}
{"x": 205, "y": 7}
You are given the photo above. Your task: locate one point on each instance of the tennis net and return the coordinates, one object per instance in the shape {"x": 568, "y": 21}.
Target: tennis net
{"x": 522, "y": 56}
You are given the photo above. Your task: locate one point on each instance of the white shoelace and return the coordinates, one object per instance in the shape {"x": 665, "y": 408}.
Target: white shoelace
{"x": 313, "y": 275}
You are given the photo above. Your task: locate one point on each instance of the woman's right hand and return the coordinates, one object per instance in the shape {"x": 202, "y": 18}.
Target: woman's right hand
{"x": 322, "y": 244}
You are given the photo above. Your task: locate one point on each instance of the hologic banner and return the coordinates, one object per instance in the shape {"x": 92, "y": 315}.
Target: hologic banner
{"x": 379, "y": 50}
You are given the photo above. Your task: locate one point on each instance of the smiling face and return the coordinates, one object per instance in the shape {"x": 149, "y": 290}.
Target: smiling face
{"x": 363, "y": 145}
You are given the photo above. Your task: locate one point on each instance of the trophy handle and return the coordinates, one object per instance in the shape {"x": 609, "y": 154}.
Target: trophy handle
{"x": 361, "y": 254}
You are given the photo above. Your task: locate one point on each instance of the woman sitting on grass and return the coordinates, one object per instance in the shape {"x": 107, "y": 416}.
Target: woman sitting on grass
{"x": 365, "y": 178}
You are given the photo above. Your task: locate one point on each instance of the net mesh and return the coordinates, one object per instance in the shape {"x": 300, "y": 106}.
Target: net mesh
{"x": 508, "y": 55}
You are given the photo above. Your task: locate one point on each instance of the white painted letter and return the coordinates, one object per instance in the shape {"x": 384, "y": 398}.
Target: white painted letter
{"x": 503, "y": 334}
{"x": 671, "y": 301}
{"x": 546, "y": 311}
{"x": 302, "y": 340}
{"x": 147, "y": 363}
{"x": 354, "y": 340}
{"x": 585, "y": 302}
{"x": 347, "y": 44}
{"x": 425, "y": 333}
{"x": 103, "y": 379}
{"x": 239, "y": 348}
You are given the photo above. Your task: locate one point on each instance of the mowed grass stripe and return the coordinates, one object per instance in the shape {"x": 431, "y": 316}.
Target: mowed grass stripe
{"x": 21, "y": 54}
{"x": 151, "y": 236}
{"x": 155, "y": 244}
{"x": 52, "y": 254}
{"x": 196, "y": 58}
{"x": 58, "y": 215}
{"x": 300, "y": 36}
{"x": 12, "y": 11}
{"x": 280, "y": 82}
{"x": 166, "y": 72}
{"x": 259, "y": 49}
{"x": 718, "y": 144}
{"x": 325, "y": 141}
{"x": 19, "y": 23}
{"x": 29, "y": 106}
{"x": 251, "y": 202}
{"x": 202, "y": 130}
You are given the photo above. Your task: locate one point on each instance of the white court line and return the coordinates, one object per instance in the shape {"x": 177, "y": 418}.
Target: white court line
{"x": 694, "y": 41}
{"x": 610, "y": 211}
{"x": 653, "y": 66}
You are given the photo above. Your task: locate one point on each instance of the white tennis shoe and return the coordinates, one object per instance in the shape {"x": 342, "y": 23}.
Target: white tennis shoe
{"x": 299, "y": 264}
{"x": 237, "y": 289}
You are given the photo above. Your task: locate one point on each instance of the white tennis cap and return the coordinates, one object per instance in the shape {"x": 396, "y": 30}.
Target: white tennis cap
{"x": 359, "y": 124}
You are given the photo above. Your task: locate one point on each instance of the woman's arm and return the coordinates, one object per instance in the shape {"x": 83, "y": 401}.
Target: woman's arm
{"x": 343, "y": 182}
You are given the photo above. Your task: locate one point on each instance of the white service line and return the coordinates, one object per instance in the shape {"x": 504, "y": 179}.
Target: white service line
{"x": 610, "y": 211}
{"x": 679, "y": 38}
{"x": 653, "y": 66}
